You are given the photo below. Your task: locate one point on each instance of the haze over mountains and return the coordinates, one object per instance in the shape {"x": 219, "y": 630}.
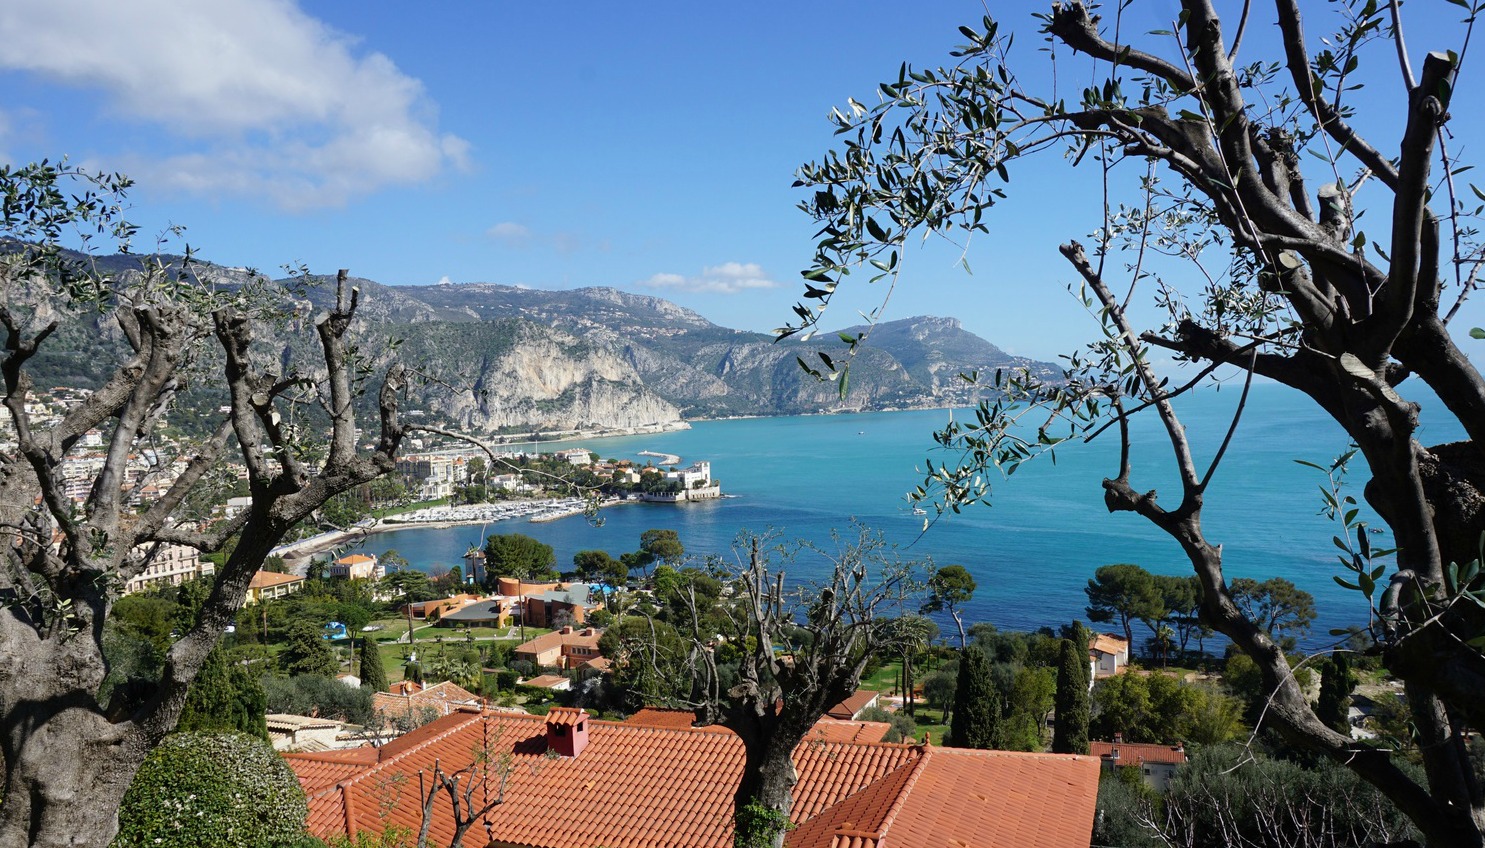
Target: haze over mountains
{"x": 522, "y": 359}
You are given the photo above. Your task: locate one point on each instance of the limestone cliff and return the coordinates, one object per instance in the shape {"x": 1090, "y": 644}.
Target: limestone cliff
{"x": 518, "y": 375}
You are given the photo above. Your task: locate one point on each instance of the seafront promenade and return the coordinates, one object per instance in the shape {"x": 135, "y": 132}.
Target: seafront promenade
{"x": 544, "y": 509}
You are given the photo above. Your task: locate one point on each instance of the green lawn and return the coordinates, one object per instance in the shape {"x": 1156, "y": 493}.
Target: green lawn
{"x": 931, "y": 721}
{"x": 392, "y": 629}
{"x": 385, "y": 512}
{"x": 884, "y": 680}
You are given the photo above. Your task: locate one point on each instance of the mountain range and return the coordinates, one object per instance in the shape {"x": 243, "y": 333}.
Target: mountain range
{"x": 515, "y": 359}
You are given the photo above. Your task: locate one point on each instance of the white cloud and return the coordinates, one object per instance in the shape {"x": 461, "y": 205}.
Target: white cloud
{"x": 510, "y": 233}
{"x": 265, "y": 99}
{"x": 727, "y": 278}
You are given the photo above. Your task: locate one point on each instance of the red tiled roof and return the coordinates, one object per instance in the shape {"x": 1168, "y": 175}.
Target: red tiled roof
{"x": 1136, "y": 753}
{"x": 959, "y": 797}
{"x": 325, "y": 769}
{"x": 587, "y": 638}
{"x": 1108, "y": 644}
{"x": 356, "y": 559}
{"x": 566, "y": 716}
{"x": 835, "y": 730}
{"x": 443, "y": 697}
{"x": 662, "y": 717}
{"x": 825, "y": 730}
{"x": 675, "y": 789}
{"x": 264, "y": 579}
{"x": 847, "y": 709}
{"x": 671, "y": 720}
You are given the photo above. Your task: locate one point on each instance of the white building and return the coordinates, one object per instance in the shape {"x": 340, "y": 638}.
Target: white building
{"x": 357, "y": 567}
{"x": 170, "y": 565}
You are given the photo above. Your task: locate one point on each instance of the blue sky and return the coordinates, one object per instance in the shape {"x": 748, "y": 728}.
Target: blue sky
{"x": 649, "y": 147}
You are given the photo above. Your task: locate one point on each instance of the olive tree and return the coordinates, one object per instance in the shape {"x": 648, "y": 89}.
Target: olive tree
{"x": 1228, "y": 193}
{"x": 786, "y": 655}
{"x": 68, "y": 755}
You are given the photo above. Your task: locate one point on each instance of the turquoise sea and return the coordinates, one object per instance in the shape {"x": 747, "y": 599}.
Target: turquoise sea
{"x": 1033, "y": 551}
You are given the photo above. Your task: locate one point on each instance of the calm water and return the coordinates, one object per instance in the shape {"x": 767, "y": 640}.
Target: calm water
{"x": 1033, "y": 551}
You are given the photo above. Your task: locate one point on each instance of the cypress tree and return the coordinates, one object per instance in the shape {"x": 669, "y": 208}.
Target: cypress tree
{"x": 976, "y": 704}
{"x": 225, "y": 697}
{"x": 306, "y": 652}
{"x": 1070, "y": 736}
{"x": 1336, "y": 683}
{"x": 373, "y": 676}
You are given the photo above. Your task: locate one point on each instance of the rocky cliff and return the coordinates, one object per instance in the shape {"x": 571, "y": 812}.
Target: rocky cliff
{"x": 505, "y": 358}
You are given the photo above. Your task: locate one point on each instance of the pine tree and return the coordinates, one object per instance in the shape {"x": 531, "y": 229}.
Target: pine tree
{"x": 1336, "y": 683}
{"x": 1070, "y": 736}
{"x": 976, "y": 704}
{"x": 373, "y": 676}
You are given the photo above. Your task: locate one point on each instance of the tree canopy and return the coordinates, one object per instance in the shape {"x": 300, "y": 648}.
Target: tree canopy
{"x": 949, "y": 588}
{"x": 1070, "y": 736}
{"x": 1253, "y": 214}
{"x": 171, "y": 326}
{"x": 662, "y": 546}
{"x": 225, "y": 696}
{"x": 976, "y": 722}
{"x": 1124, "y": 593}
{"x": 519, "y": 555}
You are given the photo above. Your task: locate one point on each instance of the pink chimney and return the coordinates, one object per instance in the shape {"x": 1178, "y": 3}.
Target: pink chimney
{"x": 567, "y": 731}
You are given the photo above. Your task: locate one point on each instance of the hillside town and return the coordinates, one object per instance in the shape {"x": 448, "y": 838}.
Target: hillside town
{"x": 447, "y": 485}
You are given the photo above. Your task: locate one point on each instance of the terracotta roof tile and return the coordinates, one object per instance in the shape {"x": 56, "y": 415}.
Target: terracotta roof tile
{"x": 264, "y": 579}
{"x": 1033, "y": 801}
{"x": 566, "y": 716}
{"x": 662, "y": 717}
{"x": 1135, "y": 753}
{"x": 324, "y": 769}
{"x": 847, "y": 709}
{"x": 443, "y": 698}
{"x": 1108, "y": 643}
{"x": 675, "y": 788}
{"x": 835, "y": 730}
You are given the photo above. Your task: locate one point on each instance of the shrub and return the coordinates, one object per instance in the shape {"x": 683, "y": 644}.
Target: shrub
{"x": 212, "y": 789}
{"x": 311, "y": 694}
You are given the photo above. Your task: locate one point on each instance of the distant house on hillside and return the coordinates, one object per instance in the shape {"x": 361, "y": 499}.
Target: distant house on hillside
{"x": 1157, "y": 764}
{"x": 409, "y": 700}
{"x": 551, "y": 682}
{"x": 578, "y": 781}
{"x": 850, "y": 708}
{"x": 574, "y": 456}
{"x": 565, "y": 648}
{"x": 267, "y": 586}
{"x": 168, "y": 565}
{"x": 562, "y": 605}
{"x": 438, "y": 608}
{"x": 303, "y": 733}
{"x": 1108, "y": 653}
{"x": 356, "y": 567}
{"x": 491, "y": 612}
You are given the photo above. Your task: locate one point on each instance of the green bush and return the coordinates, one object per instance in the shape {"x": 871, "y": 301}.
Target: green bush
{"x": 212, "y": 789}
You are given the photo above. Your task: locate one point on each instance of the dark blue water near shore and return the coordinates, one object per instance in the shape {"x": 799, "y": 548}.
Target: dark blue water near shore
{"x": 1034, "y": 550}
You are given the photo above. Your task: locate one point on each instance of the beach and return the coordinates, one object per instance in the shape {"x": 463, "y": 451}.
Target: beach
{"x": 537, "y": 510}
